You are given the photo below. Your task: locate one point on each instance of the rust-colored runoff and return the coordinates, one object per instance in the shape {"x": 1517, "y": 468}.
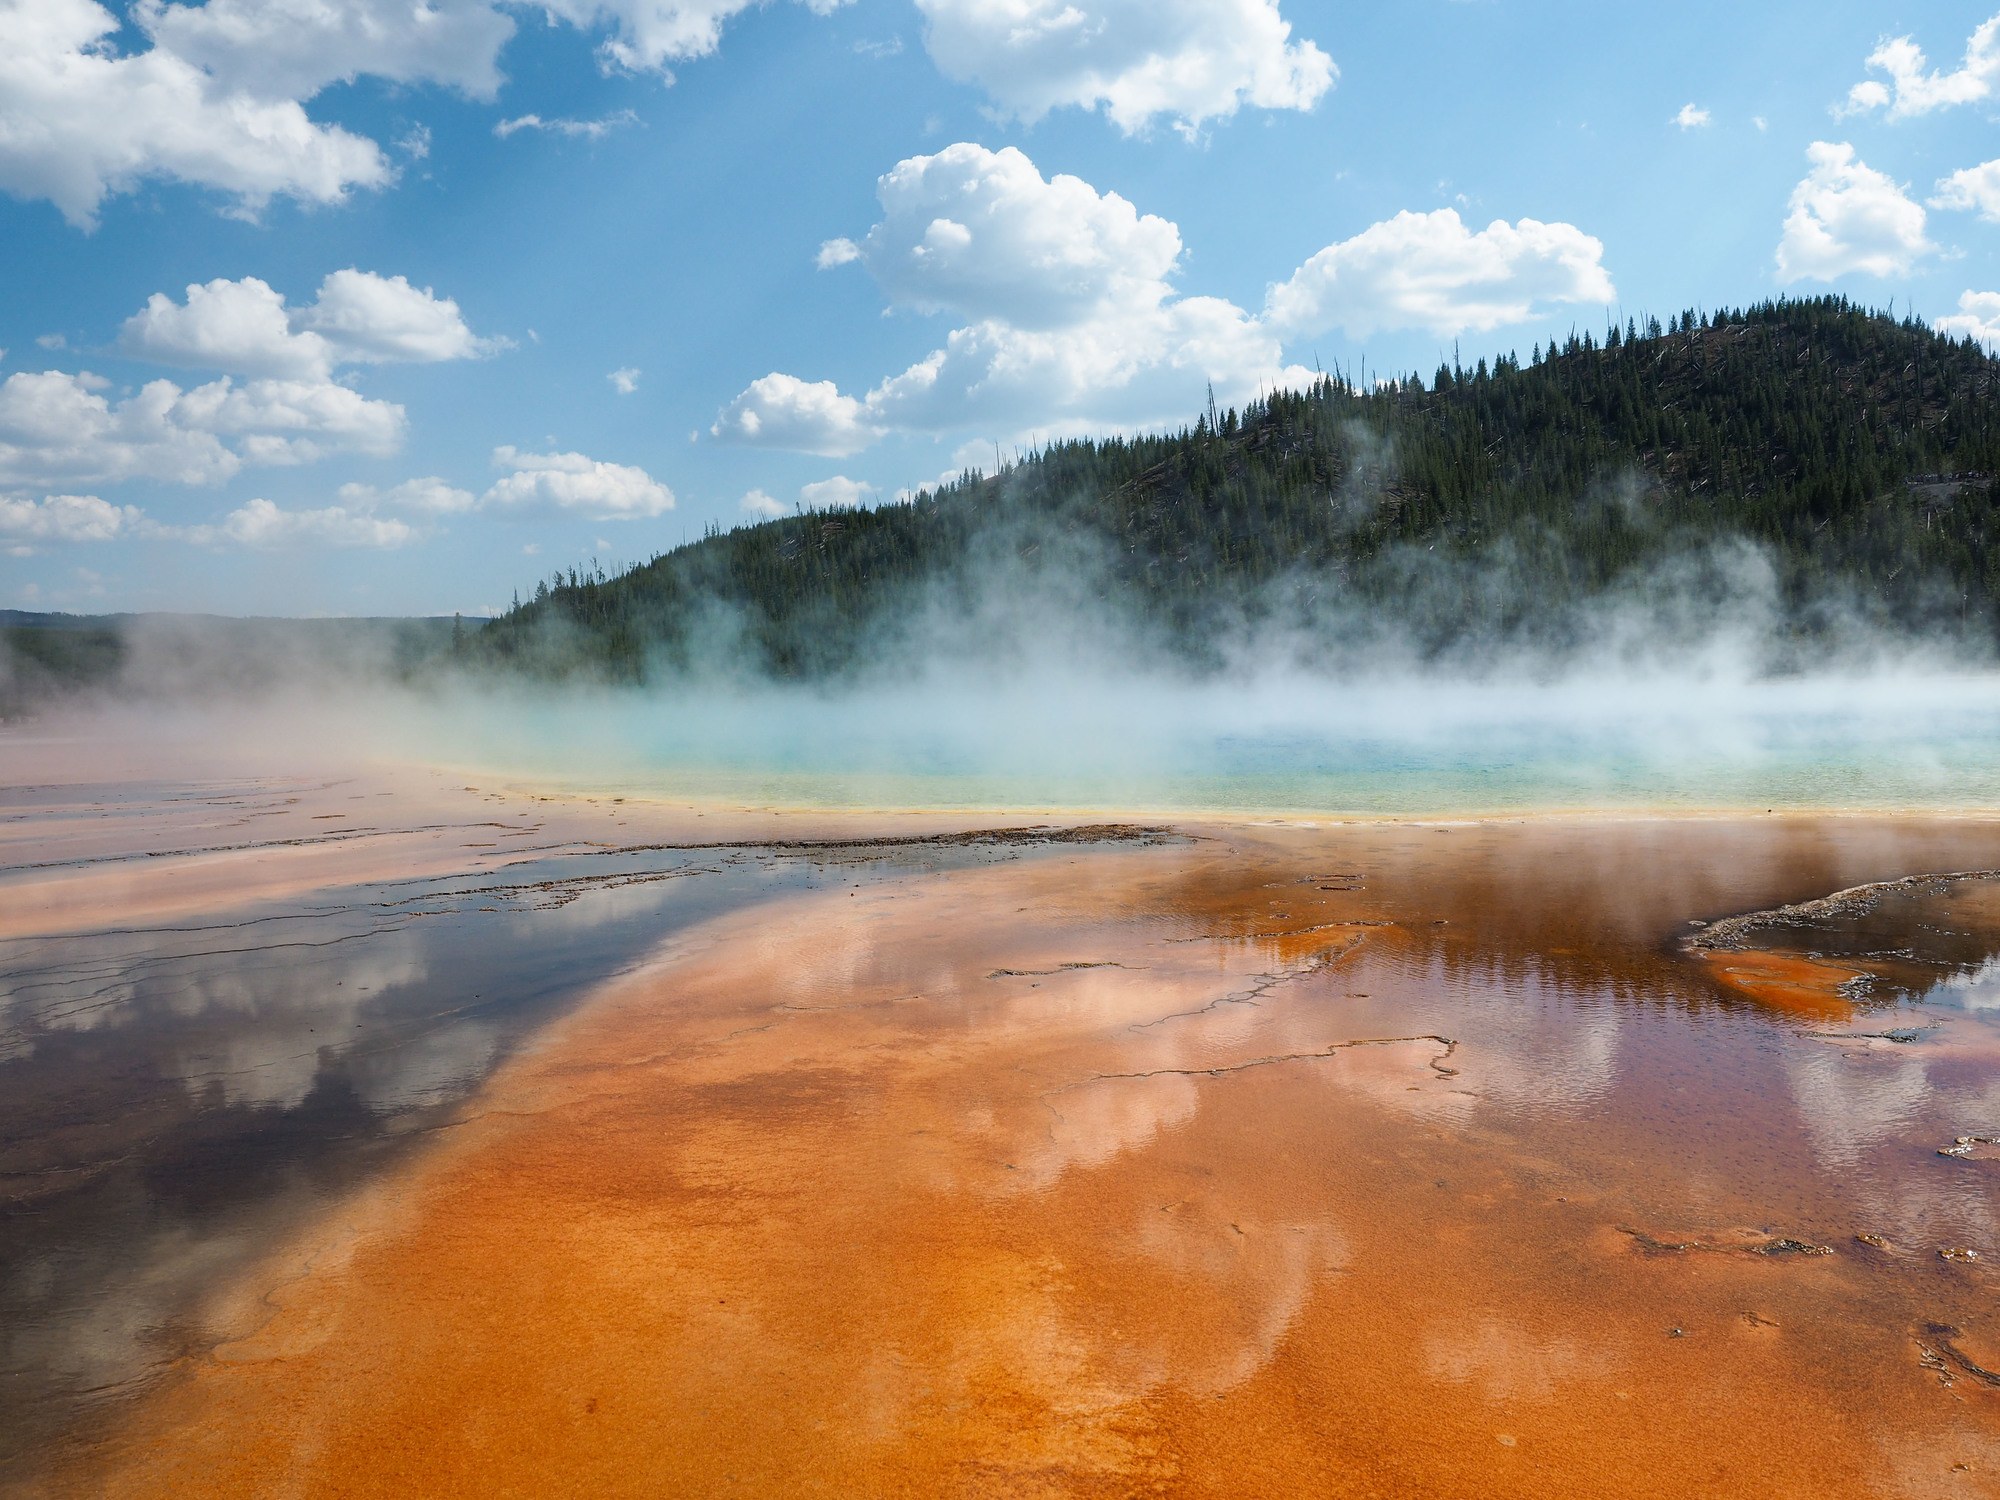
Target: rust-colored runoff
{"x": 1345, "y": 1161}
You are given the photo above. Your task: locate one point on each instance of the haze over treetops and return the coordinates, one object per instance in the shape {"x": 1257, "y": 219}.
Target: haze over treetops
{"x": 1840, "y": 459}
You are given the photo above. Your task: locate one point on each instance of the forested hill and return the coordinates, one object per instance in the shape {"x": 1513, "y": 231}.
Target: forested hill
{"x": 1857, "y": 452}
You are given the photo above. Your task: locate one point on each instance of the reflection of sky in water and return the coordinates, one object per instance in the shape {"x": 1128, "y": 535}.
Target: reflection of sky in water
{"x": 1693, "y": 1122}
{"x": 176, "y": 1094}
{"x": 1875, "y": 1116}
{"x": 1977, "y": 991}
{"x": 1720, "y": 1119}
{"x": 255, "y": 1066}
{"x": 1878, "y": 1096}
{"x": 1510, "y": 1363}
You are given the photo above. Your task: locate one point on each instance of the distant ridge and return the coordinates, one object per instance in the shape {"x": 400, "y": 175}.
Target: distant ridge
{"x": 1808, "y": 472}
{"x": 28, "y": 619}
{"x": 48, "y": 656}
{"x": 1850, "y": 453}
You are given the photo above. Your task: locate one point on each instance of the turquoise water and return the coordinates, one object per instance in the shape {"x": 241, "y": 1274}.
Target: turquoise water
{"x": 1292, "y": 749}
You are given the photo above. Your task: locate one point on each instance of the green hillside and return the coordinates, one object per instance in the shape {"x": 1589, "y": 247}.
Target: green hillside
{"x": 1857, "y": 452}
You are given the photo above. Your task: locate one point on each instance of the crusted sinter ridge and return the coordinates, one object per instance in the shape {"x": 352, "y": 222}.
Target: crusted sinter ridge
{"x": 1734, "y": 932}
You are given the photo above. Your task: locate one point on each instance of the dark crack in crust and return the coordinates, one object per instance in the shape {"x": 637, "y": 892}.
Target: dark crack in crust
{"x": 1223, "y": 1070}
{"x": 1745, "y": 1242}
{"x": 1142, "y": 834}
{"x": 1939, "y": 1352}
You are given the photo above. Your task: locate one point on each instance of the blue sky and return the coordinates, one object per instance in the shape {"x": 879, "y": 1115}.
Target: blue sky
{"x": 484, "y": 289}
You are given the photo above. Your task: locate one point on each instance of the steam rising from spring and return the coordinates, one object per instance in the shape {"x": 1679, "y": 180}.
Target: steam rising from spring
{"x": 1028, "y": 679}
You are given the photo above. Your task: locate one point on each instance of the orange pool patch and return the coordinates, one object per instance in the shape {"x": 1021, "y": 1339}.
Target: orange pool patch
{"x": 1797, "y": 984}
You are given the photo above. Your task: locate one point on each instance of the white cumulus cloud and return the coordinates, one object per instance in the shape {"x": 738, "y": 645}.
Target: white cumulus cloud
{"x": 1867, "y": 95}
{"x": 215, "y": 94}
{"x": 80, "y": 121}
{"x": 263, "y": 525}
{"x": 1149, "y": 367}
{"x": 246, "y": 328}
{"x": 292, "y": 421}
{"x": 837, "y": 253}
{"x": 1691, "y": 117}
{"x": 757, "y": 503}
{"x": 837, "y": 493}
{"x": 571, "y": 482}
{"x": 61, "y": 428}
{"x": 590, "y": 130}
{"x": 241, "y": 326}
{"x": 1071, "y": 318}
{"x": 292, "y": 49}
{"x": 649, "y": 34}
{"x": 1187, "y": 61}
{"x": 782, "y": 411}
{"x": 66, "y": 518}
{"x": 1976, "y": 188}
{"x": 1427, "y": 270}
{"x": 1846, "y": 217}
{"x": 427, "y": 496}
{"x": 624, "y": 381}
{"x": 1978, "y": 317}
{"x": 1915, "y": 88}
{"x": 380, "y": 319}
{"x": 982, "y": 234}
{"x": 57, "y": 428}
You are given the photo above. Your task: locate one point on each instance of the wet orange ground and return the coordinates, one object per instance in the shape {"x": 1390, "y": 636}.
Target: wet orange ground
{"x": 1799, "y": 984}
{"x": 1371, "y": 1161}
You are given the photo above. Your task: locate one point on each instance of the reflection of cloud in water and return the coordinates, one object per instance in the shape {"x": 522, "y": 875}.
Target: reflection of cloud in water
{"x": 433, "y": 1069}
{"x": 1542, "y": 1048}
{"x": 292, "y": 1010}
{"x": 1979, "y": 990}
{"x": 1236, "y": 1277}
{"x": 849, "y": 958}
{"x": 1864, "y": 1106}
{"x": 838, "y": 962}
{"x": 1236, "y": 1285}
{"x": 109, "y": 1005}
{"x": 263, "y": 1028}
{"x": 118, "y": 1332}
{"x": 1553, "y": 1068}
{"x": 606, "y": 905}
{"x": 1508, "y": 1363}
{"x": 1399, "y": 1077}
{"x": 1546, "y": 1045}
{"x": 1091, "y": 1125}
{"x": 1854, "y": 1101}
{"x": 1545, "y": 1049}
{"x": 242, "y": 1063}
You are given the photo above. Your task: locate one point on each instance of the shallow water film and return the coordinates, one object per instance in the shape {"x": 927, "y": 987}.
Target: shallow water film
{"x": 394, "y": 1133}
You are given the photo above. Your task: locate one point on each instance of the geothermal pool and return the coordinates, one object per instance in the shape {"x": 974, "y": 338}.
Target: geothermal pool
{"x": 1286, "y": 746}
{"x": 385, "y": 1129}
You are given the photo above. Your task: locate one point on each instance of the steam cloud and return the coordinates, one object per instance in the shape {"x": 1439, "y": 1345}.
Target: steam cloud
{"x": 1029, "y": 679}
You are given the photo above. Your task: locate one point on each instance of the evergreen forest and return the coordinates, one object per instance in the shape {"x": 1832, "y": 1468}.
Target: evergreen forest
{"x": 1816, "y": 467}
{"x": 1852, "y": 454}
